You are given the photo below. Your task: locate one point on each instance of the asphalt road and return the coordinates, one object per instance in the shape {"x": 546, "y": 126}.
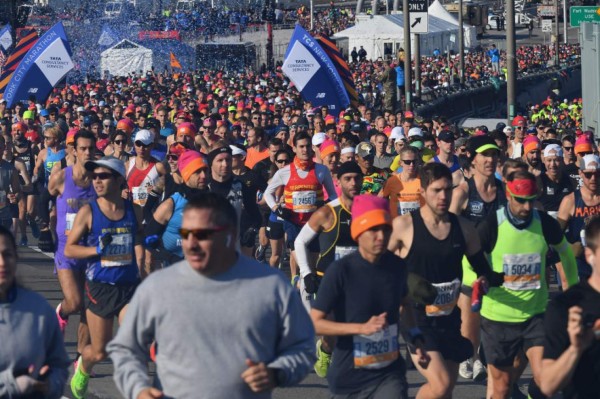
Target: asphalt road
{"x": 35, "y": 271}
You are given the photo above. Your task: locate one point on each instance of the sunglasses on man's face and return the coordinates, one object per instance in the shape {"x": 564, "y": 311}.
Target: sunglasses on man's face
{"x": 200, "y": 234}
{"x": 284, "y": 161}
{"x": 141, "y": 145}
{"x": 523, "y": 200}
{"x": 589, "y": 175}
{"x": 172, "y": 157}
{"x": 409, "y": 161}
{"x": 568, "y": 148}
{"x": 102, "y": 176}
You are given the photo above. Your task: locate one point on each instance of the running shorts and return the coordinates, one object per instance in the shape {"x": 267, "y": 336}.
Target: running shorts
{"x": 107, "y": 300}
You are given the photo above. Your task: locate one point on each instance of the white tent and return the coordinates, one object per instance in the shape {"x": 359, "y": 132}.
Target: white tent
{"x": 383, "y": 35}
{"x": 437, "y": 10}
{"x": 126, "y": 57}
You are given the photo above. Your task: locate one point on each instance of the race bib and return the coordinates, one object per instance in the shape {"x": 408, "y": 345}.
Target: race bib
{"x": 522, "y": 271}
{"x": 3, "y": 200}
{"x": 377, "y": 350}
{"x": 139, "y": 195}
{"x": 445, "y": 301}
{"x": 119, "y": 251}
{"x": 340, "y": 252}
{"x": 582, "y": 237}
{"x": 407, "y": 207}
{"x": 304, "y": 201}
{"x": 70, "y": 218}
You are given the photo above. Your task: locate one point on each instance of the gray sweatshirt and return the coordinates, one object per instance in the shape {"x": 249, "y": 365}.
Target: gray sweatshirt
{"x": 206, "y": 328}
{"x": 29, "y": 335}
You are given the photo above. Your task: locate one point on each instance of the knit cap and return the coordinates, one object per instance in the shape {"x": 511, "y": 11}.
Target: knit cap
{"x": 369, "y": 211}
{"x": 531, "y": 143}
{"x": 329, "y": 147}
{"x": 583, "y": 144}
{"x": 190, "y": 162}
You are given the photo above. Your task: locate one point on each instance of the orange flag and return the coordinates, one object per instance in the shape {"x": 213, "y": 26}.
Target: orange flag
{"x": 175, "y": 62}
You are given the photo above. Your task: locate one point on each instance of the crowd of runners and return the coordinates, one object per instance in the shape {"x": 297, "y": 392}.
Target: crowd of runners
{"x": 395, "y": 227}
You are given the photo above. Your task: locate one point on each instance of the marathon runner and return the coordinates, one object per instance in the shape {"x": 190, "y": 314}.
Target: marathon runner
{"x": 111, "y": 228}
{"x": 403, "y": 190}
{"x": 445, "y": 156}
{"x": 331, "y": 223}
{"x": 303, "y": 183}
{"x": 474, "y": 199}
{"x": 374, "y": 178}
{"x": 515, "y": 149}
{"x": 432, "y": 241}
{"x": 517, "y": 239}
{"x": 532, "y": 154}
{"x": 72, "y": 187}
{"x": 578, "y": 208}
{"x": 366, "y": 361}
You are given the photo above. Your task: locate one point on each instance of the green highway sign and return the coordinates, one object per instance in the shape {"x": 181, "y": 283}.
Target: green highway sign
{"x": 581, "y": 14}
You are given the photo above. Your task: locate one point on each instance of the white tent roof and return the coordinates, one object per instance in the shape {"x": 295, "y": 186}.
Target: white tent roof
{"x": 126, "y": 57}
{"x": 437, "y": 10}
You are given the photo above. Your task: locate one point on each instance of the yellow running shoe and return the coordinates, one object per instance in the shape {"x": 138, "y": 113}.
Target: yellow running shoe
{"x": 79, "y": 382}
{"x": 323, "y": 361}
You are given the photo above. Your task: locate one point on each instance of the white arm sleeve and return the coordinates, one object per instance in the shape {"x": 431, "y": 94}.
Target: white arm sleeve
{"x": 306, "y": 235}
{"x": 280, "y": 178}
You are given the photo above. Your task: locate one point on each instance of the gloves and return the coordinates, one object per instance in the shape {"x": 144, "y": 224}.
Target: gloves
{"x": 495, "y": 279}
{"x": 103, "y": 243}
{"x": 311, "y": 283}
{"x": 151, "y": 241}
{"x": 283, "y": 213}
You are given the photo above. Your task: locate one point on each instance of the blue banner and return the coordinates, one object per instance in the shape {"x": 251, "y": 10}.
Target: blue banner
{"x": 313, "y": 73}
{"x": 44, "y": 65}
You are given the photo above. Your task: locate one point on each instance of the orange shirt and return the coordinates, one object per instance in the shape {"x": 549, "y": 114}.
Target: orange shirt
{"x": 253, "y": 156}
{"x": 404, "y": 197}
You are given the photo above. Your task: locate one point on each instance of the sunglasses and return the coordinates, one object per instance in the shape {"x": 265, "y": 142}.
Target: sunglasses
{"x": 282, "y": 161}
{"x": 106, "y": 125}
{"x": 172, "y": 157}
{"x": 142, "y": 145}
{"x": 568, "y": 148}
{"x": 49, "y": 137}
{"x": 200, "y": 234}
{"x": 409, "y": 161}
{"x": 102, "y": 176}
{"x": 523, "y": 200}
{"x": 119, "y": 142}
{"x": 589, "y": 175}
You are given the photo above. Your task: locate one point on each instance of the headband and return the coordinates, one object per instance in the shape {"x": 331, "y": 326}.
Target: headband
{"x": 522, "y": 188}
{"x": 221, "y": 150}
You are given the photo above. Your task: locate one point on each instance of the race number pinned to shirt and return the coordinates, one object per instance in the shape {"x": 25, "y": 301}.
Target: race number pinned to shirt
{"x": 377, "y": 350}
{"x": 304, "y": 201}
{"x": 139, "y": 195}
{"x": 407, "y": 207}
{"x": 119, "y": 251}
{"x": 522, "y": 271}
{"x": 70, "y": 218}
{"x": 340, "y": 251}
{"x": 445, "y": 301}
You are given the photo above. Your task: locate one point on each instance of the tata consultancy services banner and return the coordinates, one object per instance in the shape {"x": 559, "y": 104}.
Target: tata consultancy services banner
{"x": 309, "y": 67}
{"x": 44, "y": 65}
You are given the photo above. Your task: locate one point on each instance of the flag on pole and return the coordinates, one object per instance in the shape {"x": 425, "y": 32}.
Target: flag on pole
{"x": 6, "y": 40}
{"x": 175, "y": 62}
{"x": 27, "y": 41}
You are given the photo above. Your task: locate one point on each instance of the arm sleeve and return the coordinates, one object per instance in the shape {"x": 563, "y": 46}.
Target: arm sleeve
{"x": 295, "y": 349}
{"x": 556, "y": 239}
{"x": 276, "y": 181}
{"x": 128, "y": 350}
{"x": 306, "y": 235}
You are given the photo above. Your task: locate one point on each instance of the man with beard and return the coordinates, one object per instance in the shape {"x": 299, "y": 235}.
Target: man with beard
{"x": 532, "y": 155}
{"x": 166, "y": 219}
{"x": 331, "y": 223}
{"x": 577, "y": 208}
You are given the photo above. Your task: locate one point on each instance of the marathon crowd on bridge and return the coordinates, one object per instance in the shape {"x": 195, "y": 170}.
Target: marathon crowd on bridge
{"x": 171, "y": 201}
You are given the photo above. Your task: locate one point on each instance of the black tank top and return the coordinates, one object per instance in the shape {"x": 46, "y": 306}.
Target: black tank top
{"x": 553, "y": 193}
{"x": 337, "y": 241}
{"x": 477, "y": 209}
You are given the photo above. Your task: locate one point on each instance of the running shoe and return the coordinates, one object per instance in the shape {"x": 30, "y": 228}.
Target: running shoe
{"x": 35, "y": 230}
{"x": 76, "y": 362}
{"x": 79, "y": 382}
{"x": 62, "y": 323}
{"x": 323, "y": 361}
{"x": 465, "y": 369}
{"x": 259, "y": 254}
{"x": 479, "y": 371}
{"x": 23, "y": 242}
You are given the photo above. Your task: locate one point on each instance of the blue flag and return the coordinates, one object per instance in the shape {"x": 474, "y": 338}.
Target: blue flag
{"x": 6, "y": 40}
{"x": 313, "y": 73}
{"x": 44, "y": 65}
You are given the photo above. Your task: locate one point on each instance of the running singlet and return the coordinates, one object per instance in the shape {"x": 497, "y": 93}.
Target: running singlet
{"x": 374, "y": 182}
{"x": 455, "y": 165}
{"x": 6, "y": 171}
{"x": 118, "y": 266}
{"x": 302, "y": 196}
{"x": 140, "y": 180}
{"x": 439, "y": 262}
{"x": 517, "y": 150}
{"x": 477, "y": 209}
{"x": 51, "y": 159}
{"x": 336, "y": 242}
{"x": 68, "y": 204}
{"x": 28, "y": 158}
{"x": 576, "y": 229}
{"x": 553, "y": 193}
{"x": 521, "y": 255}
{"x": 171, "y": 238}
{"x": 405, "y": 197}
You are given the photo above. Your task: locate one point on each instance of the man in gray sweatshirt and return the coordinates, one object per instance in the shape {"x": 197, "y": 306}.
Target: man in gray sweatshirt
{"x": 225, "y": 326}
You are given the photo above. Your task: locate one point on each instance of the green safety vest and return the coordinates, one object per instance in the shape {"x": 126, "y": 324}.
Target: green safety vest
{"x": 521, "y": 255}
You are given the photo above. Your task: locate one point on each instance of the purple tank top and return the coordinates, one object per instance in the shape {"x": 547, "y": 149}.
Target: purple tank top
{"x": 67, "y": 205}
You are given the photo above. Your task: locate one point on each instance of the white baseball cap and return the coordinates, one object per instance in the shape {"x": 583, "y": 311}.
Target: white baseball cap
{"x": 415, "y": 131}
{"x": 553, "y": 150}
{"x": 145, "y": 136}
{"x": 397, "y": 133}
{"x": 318, "y": 138}
{"x": 589, "y": 163}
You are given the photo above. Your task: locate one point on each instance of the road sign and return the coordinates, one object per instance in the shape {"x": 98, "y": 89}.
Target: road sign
{"x": 547, "y": 25}
{"x": 419, "y": 19}
{"x": 581, "y": 14}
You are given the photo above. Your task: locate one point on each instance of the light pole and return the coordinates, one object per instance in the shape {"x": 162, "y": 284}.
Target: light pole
{"x": 407, "y": 57}
{"x": 511, "y": 61}
{"x": 461, "y": 43}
